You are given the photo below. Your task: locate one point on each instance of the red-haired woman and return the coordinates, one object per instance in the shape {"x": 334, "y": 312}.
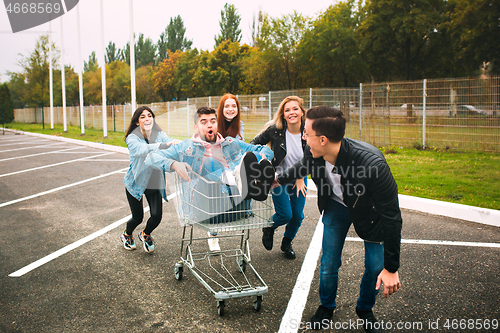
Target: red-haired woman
{"x": 229, "y": 117}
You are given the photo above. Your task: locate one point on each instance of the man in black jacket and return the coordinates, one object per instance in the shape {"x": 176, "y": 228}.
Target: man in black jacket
{"x": 355, "y": 185}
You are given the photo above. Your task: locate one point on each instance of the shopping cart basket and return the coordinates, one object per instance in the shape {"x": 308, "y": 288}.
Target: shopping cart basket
{"x": 218, "y": 208}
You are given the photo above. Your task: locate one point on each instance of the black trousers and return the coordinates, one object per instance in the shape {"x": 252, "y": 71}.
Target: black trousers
{"x": 136, "y": 206}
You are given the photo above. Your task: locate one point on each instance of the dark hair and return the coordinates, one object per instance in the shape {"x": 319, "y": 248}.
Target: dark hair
{"x": 135, "y": 119}
{"x": 203, "y": 110}
{"x": 328, "y": 121}
{"x": 235, "y": 124}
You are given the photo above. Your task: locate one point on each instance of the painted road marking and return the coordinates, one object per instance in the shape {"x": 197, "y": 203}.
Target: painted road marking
{"x": 52, "y": 165}
{"x": 59, "y": 188}
{"x": 76, "y": 244}
{"x": 43, "y": 146}
{"x": 48, "y": 152}
{"x": 298, "y": 299}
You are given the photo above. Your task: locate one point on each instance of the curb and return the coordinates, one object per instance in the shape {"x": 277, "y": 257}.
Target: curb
{"x": 435, "y": 207}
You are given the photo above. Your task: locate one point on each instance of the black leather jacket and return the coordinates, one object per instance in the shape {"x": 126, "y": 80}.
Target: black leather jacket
{"x": 369, "y": 192}
{"x": 278, "y": 142}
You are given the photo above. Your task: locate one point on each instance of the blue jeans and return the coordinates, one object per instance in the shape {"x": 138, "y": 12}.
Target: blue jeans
{"x": 336, "y": 221}
{"x": 289, "y": 209}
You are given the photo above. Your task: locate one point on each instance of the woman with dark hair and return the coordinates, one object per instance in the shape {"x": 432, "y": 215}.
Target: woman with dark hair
{"x": 144, "y": 135}
{"x": 284, "y": 133}
{"x": 229, "y": 117}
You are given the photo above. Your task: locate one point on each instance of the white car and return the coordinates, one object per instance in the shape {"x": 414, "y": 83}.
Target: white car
{"x": 469, "y": 110}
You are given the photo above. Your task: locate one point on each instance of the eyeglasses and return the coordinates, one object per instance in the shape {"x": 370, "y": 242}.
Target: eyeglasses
{"x": 305, "y": 135}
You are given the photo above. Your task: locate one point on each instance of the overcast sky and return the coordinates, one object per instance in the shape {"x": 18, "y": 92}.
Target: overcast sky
{"x": 151, "y": 17}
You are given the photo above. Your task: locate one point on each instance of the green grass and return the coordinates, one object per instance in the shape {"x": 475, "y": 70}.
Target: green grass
{"x": 465, "y": 177}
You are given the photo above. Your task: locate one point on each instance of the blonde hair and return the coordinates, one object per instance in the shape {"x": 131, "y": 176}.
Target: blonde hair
{"x": 278, "y": 119}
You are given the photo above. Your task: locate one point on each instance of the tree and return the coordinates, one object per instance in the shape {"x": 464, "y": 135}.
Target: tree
{"x": 329, "y": 52}
{"x": 475, "y": 33}
{"x": 91, "y": 65}
{"x": 401, "y": 40}
{"x": 229, "y": 25}
{"x": 145, "y": 88}
{"x": 118, "y": 84}
{"x": 6, "y": 105}
{"x": 256, "y": 26}
{"x": 36, "y": 72}
{"x": 112, "y": 53}
{"x": 164, "y": 80}
{"x": 278, "y": 41}
{"x": 145, "y": 51}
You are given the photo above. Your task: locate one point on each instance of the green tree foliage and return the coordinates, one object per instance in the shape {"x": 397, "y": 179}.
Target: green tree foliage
{"x": 91, "y": 65}
{"x": 332, "y": 44}
{"x": 475, "y": 32}
{"x": 145, "y": 51}
{"x": 278, "y": 41}
{"x": 117, "y": 82}
{"x": 6, "y": 105}
{"x": 36, "y": 72}
{"x": 229, "y": 25}
{"x": 145, "y": 88}
{"x": 173, "y": 38}
{"x": 400, "y": 39}
{"x": 112, "y": 53}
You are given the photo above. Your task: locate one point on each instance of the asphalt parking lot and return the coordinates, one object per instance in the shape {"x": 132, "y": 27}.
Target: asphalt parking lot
{"x": 63, "y": 267}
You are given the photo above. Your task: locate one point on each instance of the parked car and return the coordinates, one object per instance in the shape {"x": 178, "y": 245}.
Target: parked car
{"x": 469, "y": 110}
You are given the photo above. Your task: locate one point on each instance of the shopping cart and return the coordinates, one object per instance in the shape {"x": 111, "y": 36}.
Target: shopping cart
{"x": 215, "y": 207}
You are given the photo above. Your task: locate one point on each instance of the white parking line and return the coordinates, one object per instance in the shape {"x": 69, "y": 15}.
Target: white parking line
{"x": 52, "y": 165}
{"x": 59, "y": 188}
{"x": 48, "y": 152}
{"x": 42, "y": 146}
{"x": 298, "y": 299}
{"x": 76, "y": 244}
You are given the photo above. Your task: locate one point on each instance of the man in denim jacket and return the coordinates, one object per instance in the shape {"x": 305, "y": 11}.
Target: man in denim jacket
{"x": 207, "y": 154}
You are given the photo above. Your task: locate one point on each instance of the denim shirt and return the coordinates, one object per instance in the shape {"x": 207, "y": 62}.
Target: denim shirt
{"x": 138, "y": 175}
{"x": 192, "y": 153}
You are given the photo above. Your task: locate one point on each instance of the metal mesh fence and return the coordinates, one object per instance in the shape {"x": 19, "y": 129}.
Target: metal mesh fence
{"x": 459, "y": 113}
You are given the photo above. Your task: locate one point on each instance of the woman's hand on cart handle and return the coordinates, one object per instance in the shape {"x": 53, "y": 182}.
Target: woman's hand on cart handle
{"x": 182, "y": 170}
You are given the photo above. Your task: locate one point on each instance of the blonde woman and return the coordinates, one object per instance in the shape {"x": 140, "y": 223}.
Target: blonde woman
{"x": 284, "y": 133}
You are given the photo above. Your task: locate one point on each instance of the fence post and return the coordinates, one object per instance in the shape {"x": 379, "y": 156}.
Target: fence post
{"x": 168, "y": 117}
{"x": 114, "y": 125}
{"x": 210, "y": 102}
{"x": 360, "y": 108}
{"x": 270, "y": 112}
{"x": 423, "y": 112}
{"x": 187, "y": 121}
{"x": 310, "y": 97}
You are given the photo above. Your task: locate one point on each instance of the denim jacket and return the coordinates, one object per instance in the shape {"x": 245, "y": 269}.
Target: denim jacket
{"x": 192, "y": 153}
{"x": 138, "y": 175}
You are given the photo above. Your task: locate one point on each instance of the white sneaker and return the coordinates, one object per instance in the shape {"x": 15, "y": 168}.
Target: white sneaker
{"x": 213, "y": 242}
{"x": 228, "y": 178}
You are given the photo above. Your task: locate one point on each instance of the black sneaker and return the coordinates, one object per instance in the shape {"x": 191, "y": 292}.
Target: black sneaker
{"x": 260, "y": 187}
{"x": 245, "y": 173}
{"x": 370, "y": 323}
{"x": 286, "y": 247}
{"x": 147, "y": 242}
{"x": 321, "y": 318}
{"x": 267, "y": 237}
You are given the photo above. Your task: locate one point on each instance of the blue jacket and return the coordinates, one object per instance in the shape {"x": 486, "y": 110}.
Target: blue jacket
{"x": 138, "y": 175}
{"x": 192, "y": 153}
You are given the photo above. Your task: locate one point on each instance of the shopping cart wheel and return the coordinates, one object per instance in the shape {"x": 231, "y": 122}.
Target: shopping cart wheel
{"x": 178, "y": 271}
{"x": 220, "y": 308}
{"x": 242, "y": 264}
{"x": 257, "y": 302}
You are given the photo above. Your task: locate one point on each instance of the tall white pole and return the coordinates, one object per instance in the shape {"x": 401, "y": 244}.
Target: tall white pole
{"x": 63, "y": 79}
{"x": 103, "y": 78}
{"x": 51, "y": 85}
{"x": 80, "y": 74}
{"x": 132, "y": 56}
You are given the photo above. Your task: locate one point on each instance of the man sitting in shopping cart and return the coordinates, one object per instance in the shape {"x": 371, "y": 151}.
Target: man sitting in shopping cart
{"x": 210, "y": 156}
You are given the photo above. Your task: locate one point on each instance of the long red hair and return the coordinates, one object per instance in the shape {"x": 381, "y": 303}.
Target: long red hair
{"x": 235, "y": 126}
